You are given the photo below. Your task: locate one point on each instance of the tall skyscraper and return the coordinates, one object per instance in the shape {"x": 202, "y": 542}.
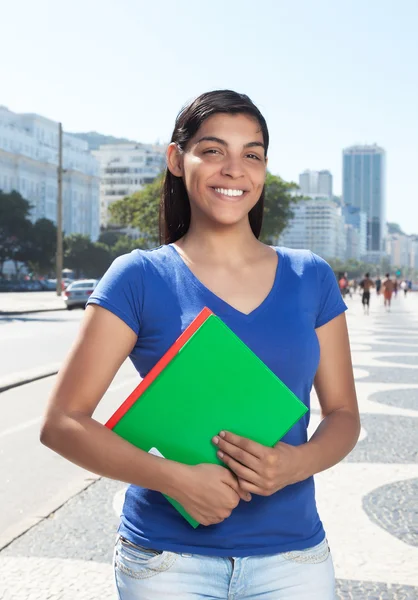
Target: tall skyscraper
{"x": 364, "y": 188}
{"x": 316, "y": 183}
{"x": 325, "y": 184}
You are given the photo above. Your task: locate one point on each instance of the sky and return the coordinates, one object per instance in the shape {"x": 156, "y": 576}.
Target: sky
{"x": 326, "y": 74}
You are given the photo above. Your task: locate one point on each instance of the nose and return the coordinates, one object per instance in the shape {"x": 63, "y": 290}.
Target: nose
{"x": 232, "y": 167}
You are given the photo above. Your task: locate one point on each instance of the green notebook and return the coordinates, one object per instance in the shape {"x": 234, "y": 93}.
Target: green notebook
{"x": 208, "y": 381}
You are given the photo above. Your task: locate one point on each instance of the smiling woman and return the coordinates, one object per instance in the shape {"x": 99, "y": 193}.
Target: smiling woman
{"x": 260, "y": 533}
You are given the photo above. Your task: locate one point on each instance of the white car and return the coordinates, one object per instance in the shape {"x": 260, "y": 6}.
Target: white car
{"x": 77, "y": 293}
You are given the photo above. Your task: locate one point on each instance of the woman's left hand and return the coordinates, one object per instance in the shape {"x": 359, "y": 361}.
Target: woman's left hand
{"x": 260, "y": 470}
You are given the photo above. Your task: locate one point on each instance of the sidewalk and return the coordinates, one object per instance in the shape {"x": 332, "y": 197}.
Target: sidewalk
{"x": 366, "y": 502}
{"x": 15, "y": 303}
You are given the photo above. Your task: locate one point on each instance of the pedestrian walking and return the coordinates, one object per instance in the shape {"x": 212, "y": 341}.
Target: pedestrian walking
{"x": 343, "y": 284}
{"x": 404, "y": 287}
{"x": 388, "y": 287}
{"x": 260, "y": 534}
{"x": 366, "y": 285}
{"x": 378, "y": 284}
{"x": 395, "y": 288}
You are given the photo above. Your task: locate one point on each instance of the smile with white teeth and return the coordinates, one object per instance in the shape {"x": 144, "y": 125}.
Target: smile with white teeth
{"x": 230, "y": 193}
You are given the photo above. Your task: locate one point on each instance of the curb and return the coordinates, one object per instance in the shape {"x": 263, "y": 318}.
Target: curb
{"x": 6, "y": 313}
{"x": 14, "y": 532}
{"x": 8, "y": 383}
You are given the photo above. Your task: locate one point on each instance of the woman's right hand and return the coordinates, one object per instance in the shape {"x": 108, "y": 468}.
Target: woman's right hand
{"x": 209, "y": 493}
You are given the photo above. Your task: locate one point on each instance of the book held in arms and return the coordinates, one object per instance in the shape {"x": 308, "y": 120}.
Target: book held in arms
{"x": 207, "y": 382}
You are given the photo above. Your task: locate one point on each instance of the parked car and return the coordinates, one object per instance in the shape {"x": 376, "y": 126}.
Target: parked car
{"x": 49, "y": 284}
{"x": 78, "y": 292}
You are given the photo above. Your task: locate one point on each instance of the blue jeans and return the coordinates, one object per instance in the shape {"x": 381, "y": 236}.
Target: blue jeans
{"x": 143, "y": 574}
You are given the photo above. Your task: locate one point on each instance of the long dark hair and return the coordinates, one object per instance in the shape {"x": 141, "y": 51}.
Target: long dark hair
{"x": 175, "y": 205}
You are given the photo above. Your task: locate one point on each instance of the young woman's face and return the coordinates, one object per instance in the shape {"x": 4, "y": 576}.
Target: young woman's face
{"x": 224, "y": 168}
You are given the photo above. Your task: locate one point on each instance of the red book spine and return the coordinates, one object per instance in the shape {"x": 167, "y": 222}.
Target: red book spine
{"x": 159, "y": 367}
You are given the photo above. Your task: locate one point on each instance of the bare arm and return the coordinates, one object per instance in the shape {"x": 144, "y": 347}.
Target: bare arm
{"x": 102, "y": 345}
{"x": 339, "y": 430}
{"x": 208, "y": 492}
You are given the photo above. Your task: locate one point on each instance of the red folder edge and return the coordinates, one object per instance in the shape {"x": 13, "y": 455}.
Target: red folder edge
{"x": 159, "y": 367}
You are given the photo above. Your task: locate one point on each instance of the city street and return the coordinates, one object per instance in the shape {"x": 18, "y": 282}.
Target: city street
{"x": 31, "y": 341}
{"x": 58, "y": 522}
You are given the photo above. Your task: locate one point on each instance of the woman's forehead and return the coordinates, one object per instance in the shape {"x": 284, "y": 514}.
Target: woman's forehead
{"x": 222, "y": 124}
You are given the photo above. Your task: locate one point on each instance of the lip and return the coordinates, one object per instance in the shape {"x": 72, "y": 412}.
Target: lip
{"x": 229, "y": 198}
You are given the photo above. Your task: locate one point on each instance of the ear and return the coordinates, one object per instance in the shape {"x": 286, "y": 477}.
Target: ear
{"x": 174, "y": 160}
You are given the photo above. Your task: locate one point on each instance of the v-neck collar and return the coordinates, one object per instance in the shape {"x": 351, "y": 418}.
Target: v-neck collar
{"x": 224, "y": 306}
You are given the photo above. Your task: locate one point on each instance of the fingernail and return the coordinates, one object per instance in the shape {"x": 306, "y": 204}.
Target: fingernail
{"x": 220, "y": 454}
{"x": 215, "y": 440}
{"x": 222, "y": 434}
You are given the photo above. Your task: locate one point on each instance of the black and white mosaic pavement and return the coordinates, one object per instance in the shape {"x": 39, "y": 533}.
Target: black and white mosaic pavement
{"x": 403, "y": 359}
{"x": 401, "y": 398}
{"x": 394, "y": 507}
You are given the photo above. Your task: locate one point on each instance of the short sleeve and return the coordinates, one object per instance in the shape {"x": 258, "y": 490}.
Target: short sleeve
{"x": 121, "y": 289}
{"x": 330, "y": 303}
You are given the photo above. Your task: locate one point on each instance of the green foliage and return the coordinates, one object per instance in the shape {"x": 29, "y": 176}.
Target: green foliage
{"x": 277, "y": 207}
{"x": 14, "y": 227}
{"x": 141, "y": 210}
{"x": 394, "y": 228}
{"x": 109, "y": 237}
{"x": 41, "y": 255}
{"x": 356, "y": 268}
{"x": 84, "y": 257}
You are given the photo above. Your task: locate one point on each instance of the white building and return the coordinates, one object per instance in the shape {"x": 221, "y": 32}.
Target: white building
{"x": 316, "y": 184}
{"x": 125, "y": 169}
{"x": 356, "y": 232}
{"x": 414, "y": 253}
{"x": 28, "y": 164}
{"x": 317, "y": 225}
{"x": 401, "y": 250}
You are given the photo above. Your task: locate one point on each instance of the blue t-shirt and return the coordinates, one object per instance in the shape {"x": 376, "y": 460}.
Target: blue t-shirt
{"x": 158, "y": 296}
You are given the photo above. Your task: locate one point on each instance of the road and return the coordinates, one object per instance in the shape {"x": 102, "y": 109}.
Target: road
{"x": 33, "y": 480}
{"x": 366, "y": 502}
{"x": 36, "y": 340}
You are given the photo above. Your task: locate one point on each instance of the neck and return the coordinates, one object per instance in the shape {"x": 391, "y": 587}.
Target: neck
{"x": 219, "y": 244}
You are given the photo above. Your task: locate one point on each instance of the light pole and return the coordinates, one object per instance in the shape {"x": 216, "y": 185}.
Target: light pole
{"x": 59, "y": 253}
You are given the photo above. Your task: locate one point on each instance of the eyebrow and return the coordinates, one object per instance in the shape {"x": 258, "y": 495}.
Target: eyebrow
{"x": 210, "y": 138}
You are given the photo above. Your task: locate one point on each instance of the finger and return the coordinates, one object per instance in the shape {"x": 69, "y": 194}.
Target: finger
{"x": 246, "y": 444}
{"x": 239, "y": 454}
{"x": 232, "y": 481}
{"x": 251, "y": 488}
{"x": 246, "y": 496}
{"x": 240, "y": 470}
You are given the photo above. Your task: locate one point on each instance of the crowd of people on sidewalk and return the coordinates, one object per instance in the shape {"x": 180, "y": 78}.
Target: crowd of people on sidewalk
{"x": 388, "y": 287}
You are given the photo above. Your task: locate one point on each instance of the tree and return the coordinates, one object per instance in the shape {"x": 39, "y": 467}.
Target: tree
{"x": 99, "y": 259}
{"x": 109, "y": 237}
{"x": 394, "y": 228}
{"x": 85, "y": 257}
{"x": 277, "y": 207}
{"x": 14, "y": 226}
{"x": 126, "y": 244}
{"x": 43, "y": 245}
{"x": 76, "y": 251}
{"x": 141, "y": 209}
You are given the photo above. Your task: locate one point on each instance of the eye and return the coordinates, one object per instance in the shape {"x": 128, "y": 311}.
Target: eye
{"x": 211, "y": 151}
{"x": 253, "y": 156}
